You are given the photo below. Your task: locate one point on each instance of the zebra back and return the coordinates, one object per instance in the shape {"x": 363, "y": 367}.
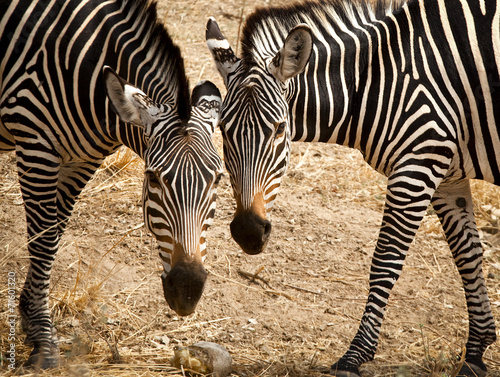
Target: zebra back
{"x": 50, "y": 47}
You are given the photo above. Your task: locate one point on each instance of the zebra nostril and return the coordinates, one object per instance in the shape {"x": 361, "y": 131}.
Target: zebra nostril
{"x": 267, "y": 230}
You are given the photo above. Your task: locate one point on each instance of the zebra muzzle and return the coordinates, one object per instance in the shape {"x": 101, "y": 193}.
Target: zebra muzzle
{"x": 250, "y": 231}
{"x": 183, "y": 286}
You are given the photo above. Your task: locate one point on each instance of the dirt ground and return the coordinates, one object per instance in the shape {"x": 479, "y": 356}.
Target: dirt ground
{"x": 299, "y": 312}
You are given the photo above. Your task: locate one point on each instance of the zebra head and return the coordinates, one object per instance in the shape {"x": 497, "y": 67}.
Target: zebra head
{"x": 255, "y": 127}
{"x": 182, "y": 171}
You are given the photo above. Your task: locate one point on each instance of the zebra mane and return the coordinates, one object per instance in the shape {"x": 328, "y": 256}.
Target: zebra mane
{"x": 279, "y": 20}
{"x": 163, "y": 51}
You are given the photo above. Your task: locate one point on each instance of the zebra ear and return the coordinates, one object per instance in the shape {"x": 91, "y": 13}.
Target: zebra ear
{"x": 294, "y": 55}
{"x": 131, "y": 104}
{"x": 207, "y": 98}
{"x": 225, "y": 59}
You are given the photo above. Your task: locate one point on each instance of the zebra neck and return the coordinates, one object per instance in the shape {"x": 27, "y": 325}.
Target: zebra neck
{"x": 132, "y": 41}
{"x": 323, "y": 99}
{"x": 132, "y": 137}
{"x": 143, "y": 54}
{"x": 340, "y": 96}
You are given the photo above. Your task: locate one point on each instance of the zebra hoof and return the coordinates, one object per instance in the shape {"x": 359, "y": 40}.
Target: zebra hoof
{"x": 471, "y": 370}
{"x": 43, "y": 359}
{"x": 350, "y": 371}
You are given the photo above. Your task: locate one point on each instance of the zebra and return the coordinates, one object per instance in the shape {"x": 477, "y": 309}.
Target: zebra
{"x": 64, "y": 109}
{"x": 413, "y": 85}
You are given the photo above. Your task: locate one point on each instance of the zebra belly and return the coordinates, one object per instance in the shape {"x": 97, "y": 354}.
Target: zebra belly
{"x": 70, "y": 143}
{"x": 487, "y": 171}
{"x": 482, "y": 160}
{"x": 7, "y": 143}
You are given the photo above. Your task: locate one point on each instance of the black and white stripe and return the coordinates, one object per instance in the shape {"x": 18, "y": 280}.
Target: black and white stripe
{"x": 413, "y": 85}
{"x": 56, "y": 114}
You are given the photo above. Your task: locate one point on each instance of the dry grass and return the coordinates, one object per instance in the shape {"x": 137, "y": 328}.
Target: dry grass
{"x": 308, "y": 289}
{"x": 103, "y": 333}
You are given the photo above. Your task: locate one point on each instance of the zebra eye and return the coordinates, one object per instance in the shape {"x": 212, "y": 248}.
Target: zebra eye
{"x": 217, "y": 179}
{"x": 280, "y": 129}
{"x": 151, "y": 177}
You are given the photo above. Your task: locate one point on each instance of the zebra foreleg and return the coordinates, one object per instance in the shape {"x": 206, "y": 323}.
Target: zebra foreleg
{"x": 453, "y": 204}
{"x": 47, "y": 214}
{"x": 35, "y": 318}
{"x": 387, "y": 264}
{"x": 38, "y": 175}
{"x": 408, "y": 196}
{"x": 72, "y": 179}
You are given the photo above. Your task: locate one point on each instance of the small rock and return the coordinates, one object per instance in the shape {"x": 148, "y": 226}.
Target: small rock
{"x": 204, "y": 358}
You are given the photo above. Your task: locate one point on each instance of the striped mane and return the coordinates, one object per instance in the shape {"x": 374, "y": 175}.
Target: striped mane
{"x": 281, "y": 19}
{"x": 165, "y": 54}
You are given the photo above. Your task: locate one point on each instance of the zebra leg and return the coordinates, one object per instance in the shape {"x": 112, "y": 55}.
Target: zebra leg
{"x": 453, "y": 205}
{"x": 72, "y": 179}
{"x": 47, "y": 213}
{"x": 38, "y": 175}
{"x": 408, "y": 196}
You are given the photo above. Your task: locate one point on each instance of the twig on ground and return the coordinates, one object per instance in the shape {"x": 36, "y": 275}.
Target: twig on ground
{"x": 304, "y": 289}
{"x": 335, "y": 311}
{"x": 254, "y": 276}
{"x": 271, "y": 291}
